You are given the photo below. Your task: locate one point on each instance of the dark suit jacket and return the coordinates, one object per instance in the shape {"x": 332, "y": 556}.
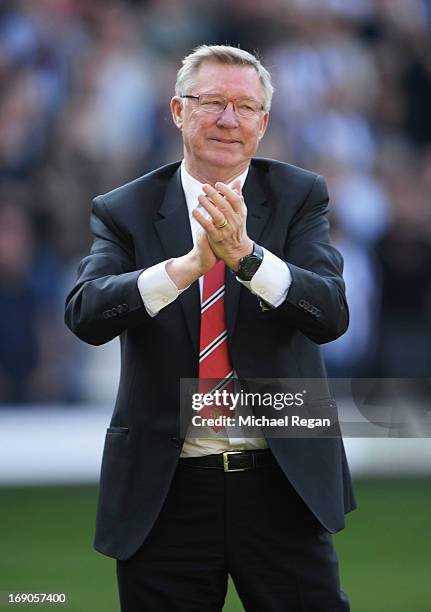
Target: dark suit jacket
{"x": 145, "y": 222}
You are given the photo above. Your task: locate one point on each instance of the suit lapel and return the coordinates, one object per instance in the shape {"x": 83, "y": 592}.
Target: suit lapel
{"x": 257, "y": 217}
{"x": 174, "y": 232}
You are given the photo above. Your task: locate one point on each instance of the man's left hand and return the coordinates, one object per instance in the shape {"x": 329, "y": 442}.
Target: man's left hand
{"x": 226, "y": 224}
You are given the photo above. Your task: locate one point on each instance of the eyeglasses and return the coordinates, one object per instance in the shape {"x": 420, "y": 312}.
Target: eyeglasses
{"x": 213, "y": 103}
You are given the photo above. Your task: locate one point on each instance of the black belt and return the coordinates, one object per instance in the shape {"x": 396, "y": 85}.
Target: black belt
{"x": 232, "y": 461}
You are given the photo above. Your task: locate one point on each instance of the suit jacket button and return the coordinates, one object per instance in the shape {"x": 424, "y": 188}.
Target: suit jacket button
{"x": 176, "y": 442}
{"x": 301, "y": 303}
{"x": 125, "y": 307}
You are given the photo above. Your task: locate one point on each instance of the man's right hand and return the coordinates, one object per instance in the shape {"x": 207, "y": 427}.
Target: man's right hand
{"x": 197, "y": 262}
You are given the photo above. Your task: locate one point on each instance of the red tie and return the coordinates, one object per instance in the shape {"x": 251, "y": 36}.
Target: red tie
{"x": 214, "y": 361}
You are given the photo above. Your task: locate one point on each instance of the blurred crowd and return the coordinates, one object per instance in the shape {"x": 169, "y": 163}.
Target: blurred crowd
{"x": 84, "y": 106}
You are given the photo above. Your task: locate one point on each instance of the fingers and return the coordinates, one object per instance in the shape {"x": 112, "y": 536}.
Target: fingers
{"x": 226, "y": 198}
{"x": 224, "y": 207}
{"x": 203, "y": 247}
{"x": 236, "y": 187}
{"x": 205, "y": 222}
{"x": 216, "y": 215}
{"x": 208, "y": 224}
{"x": 215, "y": 234}
{"x": 225, "y": 221}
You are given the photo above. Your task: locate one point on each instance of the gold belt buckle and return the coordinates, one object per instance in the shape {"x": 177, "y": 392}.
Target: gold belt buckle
{"x": 226, "y": 467}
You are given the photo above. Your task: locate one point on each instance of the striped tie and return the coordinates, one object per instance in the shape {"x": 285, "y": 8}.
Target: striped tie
{"x": 214, "y": 361}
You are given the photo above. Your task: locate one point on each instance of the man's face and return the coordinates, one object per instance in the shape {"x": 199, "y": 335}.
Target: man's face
{"x": 220, "y": 144}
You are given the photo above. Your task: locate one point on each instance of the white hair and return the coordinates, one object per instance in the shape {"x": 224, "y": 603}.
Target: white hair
{"x": 224, "y": 55}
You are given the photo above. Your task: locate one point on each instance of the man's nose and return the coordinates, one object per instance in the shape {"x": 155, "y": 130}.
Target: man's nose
{"x": 228, "y": 117}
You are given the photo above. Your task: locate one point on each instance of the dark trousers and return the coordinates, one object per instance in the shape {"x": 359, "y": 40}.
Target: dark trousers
{"x": 251, "y": 525}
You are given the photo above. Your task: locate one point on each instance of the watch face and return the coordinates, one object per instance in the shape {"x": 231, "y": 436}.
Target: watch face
{"x": 253, "y": 265}
{"x": 248, "y": 267}
{"x": 249, "y": 264}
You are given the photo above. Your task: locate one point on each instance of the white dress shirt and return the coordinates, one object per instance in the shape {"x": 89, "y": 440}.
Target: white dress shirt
{"x": 271, "y": 283}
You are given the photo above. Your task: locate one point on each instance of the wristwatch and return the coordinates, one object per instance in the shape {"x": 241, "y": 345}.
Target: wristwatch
{"x": 249, "y": 265}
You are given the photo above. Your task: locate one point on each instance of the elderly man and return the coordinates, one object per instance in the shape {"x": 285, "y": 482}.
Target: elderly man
{"x": 216, "y": 266}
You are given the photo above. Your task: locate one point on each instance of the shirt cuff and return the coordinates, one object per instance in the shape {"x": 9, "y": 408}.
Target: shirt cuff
{"x": 272, "y": 280}
{"x": 157, "y": 289}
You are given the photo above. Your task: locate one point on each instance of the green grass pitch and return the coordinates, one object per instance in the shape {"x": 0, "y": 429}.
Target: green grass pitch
{"x": 385, "y": 556}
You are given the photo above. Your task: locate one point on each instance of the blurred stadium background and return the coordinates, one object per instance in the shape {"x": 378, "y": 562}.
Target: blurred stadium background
{"x": 84, "y": 94}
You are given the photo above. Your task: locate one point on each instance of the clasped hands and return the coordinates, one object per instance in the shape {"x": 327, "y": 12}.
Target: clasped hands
{"x": 222, "y": 234}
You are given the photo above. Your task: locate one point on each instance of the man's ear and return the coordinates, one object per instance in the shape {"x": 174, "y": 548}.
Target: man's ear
{"x": 177, "y": 111}
{"x": 263, "y": 125}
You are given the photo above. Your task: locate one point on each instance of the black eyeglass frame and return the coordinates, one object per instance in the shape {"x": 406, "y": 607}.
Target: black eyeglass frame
{"x": 190, "y": 96}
